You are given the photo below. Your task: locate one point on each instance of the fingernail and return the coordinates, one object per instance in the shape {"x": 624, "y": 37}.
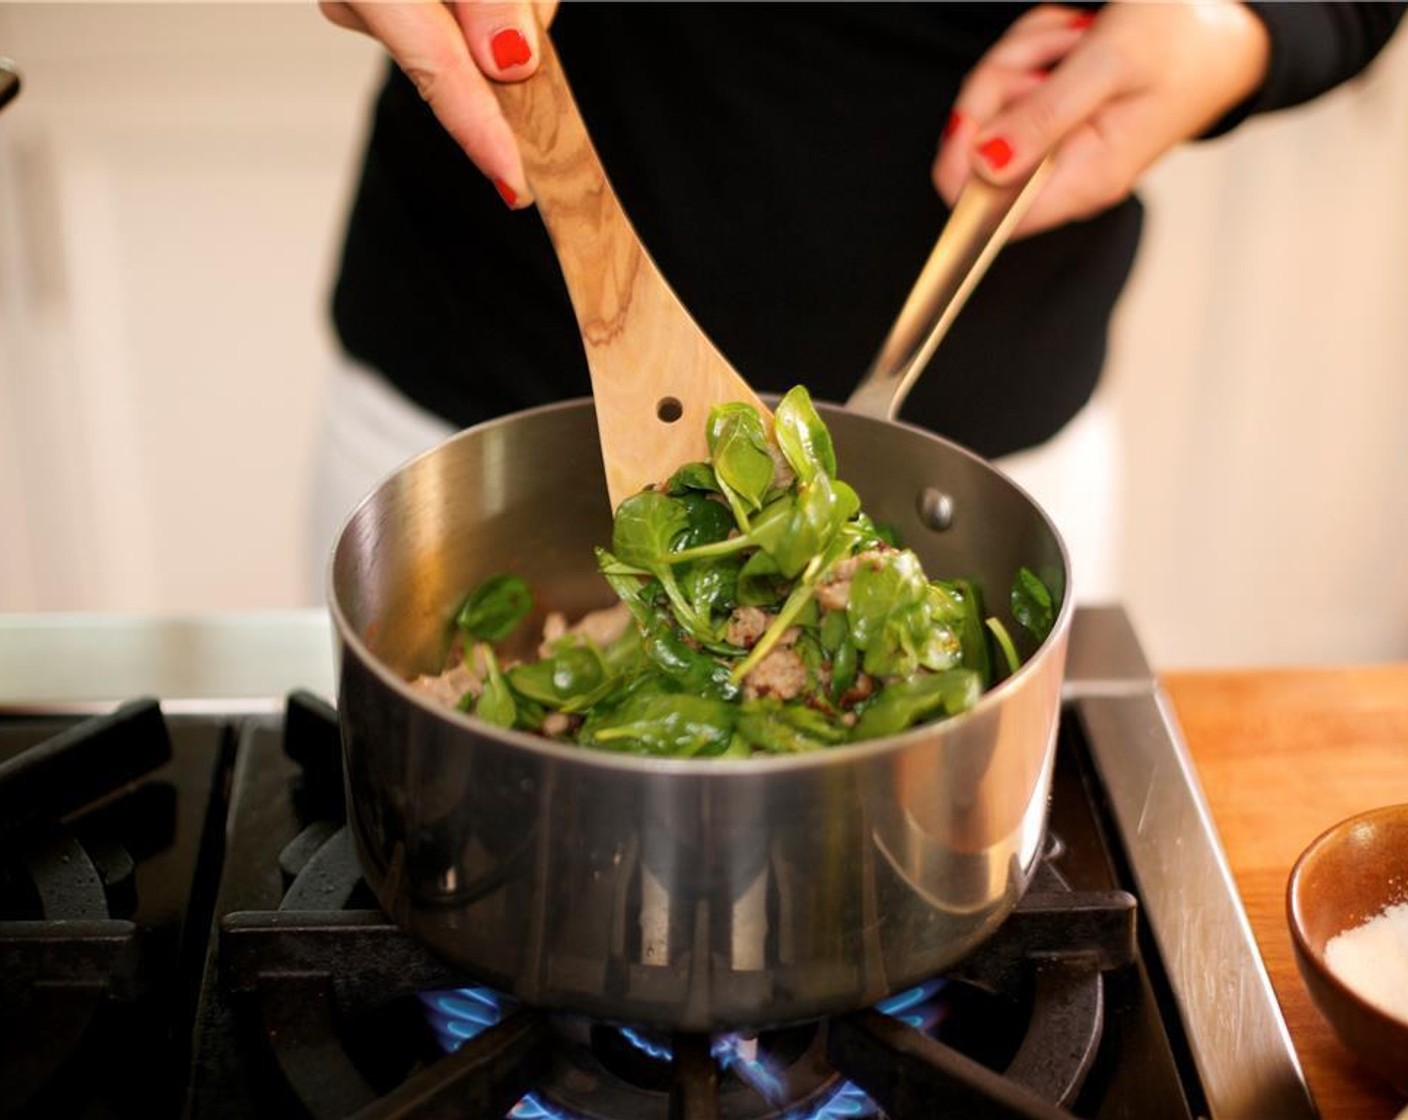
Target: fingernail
{"x": 996, "y": 153}
{"x": 1082, "y": 19}
{"x": 510, "y": 48}
{"x": 506, "y": 192}
{"x": 955, "y": 122}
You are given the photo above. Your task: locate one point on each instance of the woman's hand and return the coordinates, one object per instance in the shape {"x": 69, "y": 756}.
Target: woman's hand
{"x": 1108, "y": 93}
{"x": 451, "y": 52}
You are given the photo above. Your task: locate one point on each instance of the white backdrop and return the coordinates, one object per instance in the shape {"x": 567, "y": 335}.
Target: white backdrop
{"x": 172, "y": 185}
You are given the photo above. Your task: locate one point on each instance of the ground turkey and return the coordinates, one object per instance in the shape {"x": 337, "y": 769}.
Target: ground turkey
{"x": 599, "y": 627}
{"x": 780, "y": 674}
{"x": 746, "y": 625}
{"x": 448, "y": 687}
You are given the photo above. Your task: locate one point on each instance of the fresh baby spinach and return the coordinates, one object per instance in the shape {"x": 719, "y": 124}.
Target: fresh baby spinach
{"x": 767, "y": 615}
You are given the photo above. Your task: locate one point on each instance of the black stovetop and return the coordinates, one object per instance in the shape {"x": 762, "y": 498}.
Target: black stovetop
{"x": 110, "y": 846}
{"x": 241, "y": 969}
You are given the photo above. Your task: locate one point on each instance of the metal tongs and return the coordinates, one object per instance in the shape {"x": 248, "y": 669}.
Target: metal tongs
{"x": 982, "y": 220}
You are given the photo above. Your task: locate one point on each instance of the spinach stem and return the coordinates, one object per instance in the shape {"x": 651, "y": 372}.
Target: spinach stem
{"x": 707, "y": 551}
{"x": 1004, "y": 643}
{"x": 801, "y": 594}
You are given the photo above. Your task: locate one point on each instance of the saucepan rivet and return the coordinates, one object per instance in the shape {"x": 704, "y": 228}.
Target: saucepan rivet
{"x": 669, "y": 409}
{"x": 935, "y": 509}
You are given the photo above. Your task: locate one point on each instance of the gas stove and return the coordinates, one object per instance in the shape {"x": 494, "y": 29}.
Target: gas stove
{"x": 184, "y": 931}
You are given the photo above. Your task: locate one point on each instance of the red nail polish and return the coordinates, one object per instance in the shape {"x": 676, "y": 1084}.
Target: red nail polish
{"x": 506, "y": 192}
{"x": 955, "y": 121}
{"x": 1082, "y": 20}
{"x": 510, "y": 48}
{"x": 996, "y": 153}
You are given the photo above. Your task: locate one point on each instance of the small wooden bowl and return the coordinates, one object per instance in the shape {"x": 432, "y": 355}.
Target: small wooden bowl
{"x": 1347, "y": 876}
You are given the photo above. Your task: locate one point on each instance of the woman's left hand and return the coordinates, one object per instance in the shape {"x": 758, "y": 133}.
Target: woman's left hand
{"x": 1108, "y": 93}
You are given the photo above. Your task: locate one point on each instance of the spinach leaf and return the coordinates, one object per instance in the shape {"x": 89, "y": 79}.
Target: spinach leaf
{"x": 743, "y": 463}
{"x": 495, "y": 704}
{"x": 647, "y": 527}
{"x": 760, "y": 584}
{"x": 629, "y": 584}
{"x": 706, "y": 522}
{"x": 573, "y": 672}
{"x": 692, "y": 477}
{"x": 906, "y": 642}
{"x": 794, "y": 529}
{"x": 893, "y": 584}
{"x": 814, "y": 658}
{"x": 959, "y": 605}
{"x": 494, "y": 608}
{"x": 871, "y": 534}
{"x": 787, "y": 728}
{"x": 904, "y": 703}
{"x": 802, "y": 437}
{"x": 692, "y": 670}
{"x": 711, "y": 588}
{"x": 902, "y": 622}
{"x": 847, "y": 501}
{"x": 673, "y": 724}
{"x": 845, "y": 668}
{"x": 791, "y": 528}
{"x": 1032, "y": 605}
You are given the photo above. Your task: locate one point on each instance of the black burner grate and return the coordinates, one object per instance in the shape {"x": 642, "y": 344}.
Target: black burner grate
{"x": 64, "y": 955}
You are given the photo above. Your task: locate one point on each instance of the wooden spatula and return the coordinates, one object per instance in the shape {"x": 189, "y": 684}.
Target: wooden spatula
{"x": 655, "y": 375}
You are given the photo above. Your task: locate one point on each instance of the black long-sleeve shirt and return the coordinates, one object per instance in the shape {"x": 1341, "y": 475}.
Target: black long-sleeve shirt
{"x": 776, "y": 162}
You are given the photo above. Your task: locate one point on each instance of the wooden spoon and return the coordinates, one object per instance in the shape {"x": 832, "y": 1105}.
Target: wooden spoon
{"x": 655, "y": 374}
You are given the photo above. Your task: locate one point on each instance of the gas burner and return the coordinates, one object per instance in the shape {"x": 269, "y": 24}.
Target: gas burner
{"x": 317, "y": 981}
{"x": 1029, "y": 1004}
{"x": 625, "y": 1071}
{"x": 1040, "y": 1024}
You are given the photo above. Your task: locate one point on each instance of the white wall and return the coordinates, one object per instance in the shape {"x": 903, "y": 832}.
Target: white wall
{"x": 1260, "y": 369}
{"x": 172, "y": 185}
{"x": 172, "y": 182}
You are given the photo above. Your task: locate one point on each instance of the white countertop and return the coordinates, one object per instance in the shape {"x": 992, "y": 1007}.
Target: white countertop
{"x": 208, "y": 662}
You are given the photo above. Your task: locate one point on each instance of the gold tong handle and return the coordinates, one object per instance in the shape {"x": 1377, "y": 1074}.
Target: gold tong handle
{"x": 982, "y": 220}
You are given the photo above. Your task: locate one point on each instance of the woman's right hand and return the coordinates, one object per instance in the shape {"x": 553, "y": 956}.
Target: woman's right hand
{"x": 451, "y": 52}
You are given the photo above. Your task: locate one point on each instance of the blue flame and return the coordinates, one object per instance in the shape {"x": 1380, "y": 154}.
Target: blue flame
{"x": 530, "y": 1108}
{"x": 652, "y": 1047}
{"x": 459, "y": 1014}
{"x": 917, "y": 1007}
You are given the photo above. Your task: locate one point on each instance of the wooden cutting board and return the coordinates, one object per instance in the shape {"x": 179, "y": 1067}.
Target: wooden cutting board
{"x": 1282, "y": 755}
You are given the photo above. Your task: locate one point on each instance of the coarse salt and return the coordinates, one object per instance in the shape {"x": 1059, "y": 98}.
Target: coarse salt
{"x": 1372, "y": 960}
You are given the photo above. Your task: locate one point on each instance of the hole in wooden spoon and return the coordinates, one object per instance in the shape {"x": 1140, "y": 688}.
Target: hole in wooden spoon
{"x": 669, "y": 409}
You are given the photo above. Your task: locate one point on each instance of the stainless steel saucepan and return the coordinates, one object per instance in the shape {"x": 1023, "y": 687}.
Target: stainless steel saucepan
{"x": 694, "y": 894}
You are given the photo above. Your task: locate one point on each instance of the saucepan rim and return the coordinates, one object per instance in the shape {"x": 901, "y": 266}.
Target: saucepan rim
{"x": 722, "y": 767}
